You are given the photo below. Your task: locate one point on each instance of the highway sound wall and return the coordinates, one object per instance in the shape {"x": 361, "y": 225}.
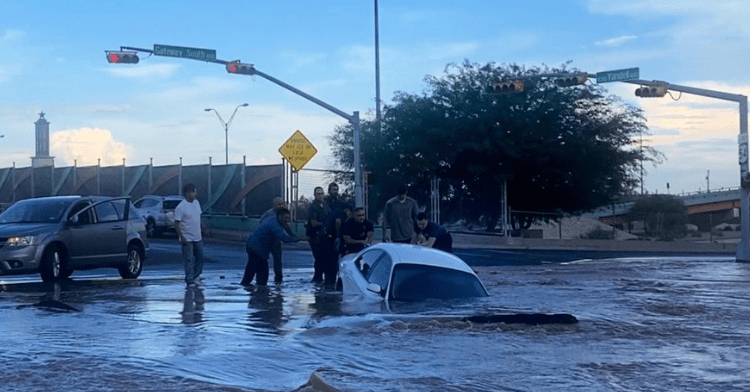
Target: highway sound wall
{"x": 233, "y": 189}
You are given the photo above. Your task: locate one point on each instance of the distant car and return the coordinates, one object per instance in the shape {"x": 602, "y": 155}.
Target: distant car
{"x": 399, "y": 272}
{"x": 158, "y": 211}
{"x": 55, "y": 236}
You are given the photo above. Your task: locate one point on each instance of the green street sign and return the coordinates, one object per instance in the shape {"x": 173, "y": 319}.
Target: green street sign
{"x": 617, "y": 76}
{"x": 184, "y": 52}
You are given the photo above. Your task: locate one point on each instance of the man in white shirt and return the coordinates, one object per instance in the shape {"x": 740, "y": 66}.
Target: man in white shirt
{"x": 187, "y": 224}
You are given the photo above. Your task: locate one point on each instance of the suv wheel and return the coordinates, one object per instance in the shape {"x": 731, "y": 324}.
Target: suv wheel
{"x": 150, "y": 228}
{"x": 133, "y": 267}
{"x": 53, "y": 266}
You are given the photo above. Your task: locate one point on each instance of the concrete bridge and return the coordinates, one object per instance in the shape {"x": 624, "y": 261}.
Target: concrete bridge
{"x": 705, "y": 209}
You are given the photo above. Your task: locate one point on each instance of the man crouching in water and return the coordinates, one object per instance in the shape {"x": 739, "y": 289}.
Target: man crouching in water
{"x": 260, "y": 244}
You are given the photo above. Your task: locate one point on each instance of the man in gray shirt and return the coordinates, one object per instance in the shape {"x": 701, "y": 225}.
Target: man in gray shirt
{"x": 400, "y": 216}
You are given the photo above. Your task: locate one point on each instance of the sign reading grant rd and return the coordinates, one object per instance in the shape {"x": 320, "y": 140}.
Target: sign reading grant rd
{"x": 297, "y": 150}
{"x": 184, "y": 52}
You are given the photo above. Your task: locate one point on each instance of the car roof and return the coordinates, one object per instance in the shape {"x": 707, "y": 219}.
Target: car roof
{"x": 415, "y": 254}
{"x": 163, "y": 197}
{"x": 66, "y": 197}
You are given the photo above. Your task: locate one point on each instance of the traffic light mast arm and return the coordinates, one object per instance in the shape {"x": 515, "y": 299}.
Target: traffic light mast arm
{"x": 305, "y": 95}
{"x": 149, "y": 51}
{"x": 353, "y": 119}
{"x": 740, "y": 99}
{"x": 692, "y": 90}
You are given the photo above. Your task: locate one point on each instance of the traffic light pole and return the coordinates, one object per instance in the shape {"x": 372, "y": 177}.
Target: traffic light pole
{"x": 353, "y": 119}
{"x": 743, "y": 250}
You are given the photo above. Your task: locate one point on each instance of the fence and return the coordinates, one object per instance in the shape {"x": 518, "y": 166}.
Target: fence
{"x": 235, "y": 189}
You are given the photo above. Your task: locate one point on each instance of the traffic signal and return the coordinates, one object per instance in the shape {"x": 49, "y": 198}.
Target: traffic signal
{"x": 236, "y": 67}
{"x": 652, "y": 91}
{"x": 571, "y": 80}
{"x": 508, "y": 87}
{"x": 122, "y": 57}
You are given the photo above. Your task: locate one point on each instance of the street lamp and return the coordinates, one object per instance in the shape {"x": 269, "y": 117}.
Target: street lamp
{"x": 226, "y": 127}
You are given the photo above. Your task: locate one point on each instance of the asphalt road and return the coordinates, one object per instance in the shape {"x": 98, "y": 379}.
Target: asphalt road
{"x": 222, "y": 254}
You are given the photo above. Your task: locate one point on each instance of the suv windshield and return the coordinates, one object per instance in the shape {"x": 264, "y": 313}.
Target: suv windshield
{"x": 415, "y": 282}
{"x": 36, "y": 211}
{"x": 171, "y": 204}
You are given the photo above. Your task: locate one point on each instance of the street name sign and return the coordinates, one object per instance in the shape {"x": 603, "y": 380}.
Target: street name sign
{"x": 617, "y": 76}
{"x": 297, "y": 150}
{"x": 185, "y": 52}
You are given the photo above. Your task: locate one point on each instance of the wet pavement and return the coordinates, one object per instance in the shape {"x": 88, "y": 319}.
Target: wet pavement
{"x": 645, "y": 324}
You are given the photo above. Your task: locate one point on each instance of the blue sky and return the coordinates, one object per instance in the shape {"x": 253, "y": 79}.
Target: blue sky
{"x": 52, "y": 59}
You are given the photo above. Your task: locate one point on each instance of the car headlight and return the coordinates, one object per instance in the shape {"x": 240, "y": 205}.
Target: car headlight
{"x": 20, "y": 241}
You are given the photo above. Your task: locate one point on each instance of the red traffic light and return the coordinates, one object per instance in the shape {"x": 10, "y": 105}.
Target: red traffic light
{"x": 236, "y": 67}
{"x": 122, "y": 57}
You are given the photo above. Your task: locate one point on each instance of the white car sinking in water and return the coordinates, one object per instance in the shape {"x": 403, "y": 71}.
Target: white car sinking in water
{"x": 398, "y": 272}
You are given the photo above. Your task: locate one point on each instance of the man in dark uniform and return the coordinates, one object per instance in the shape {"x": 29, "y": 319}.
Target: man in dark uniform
{"x": 432, "y": 235}
{"x": 317, "y": 214}
{"x": 357, "y": 232}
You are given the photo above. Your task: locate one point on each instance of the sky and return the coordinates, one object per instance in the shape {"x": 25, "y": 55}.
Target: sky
{"x": 52, "y": 59}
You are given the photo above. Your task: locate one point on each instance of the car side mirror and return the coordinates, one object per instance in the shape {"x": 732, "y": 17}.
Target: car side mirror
{"x": 375, "y": 288}
{"x": 73, "y": 220}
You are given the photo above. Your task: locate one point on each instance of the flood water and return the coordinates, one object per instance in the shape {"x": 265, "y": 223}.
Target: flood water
{"x": 644, "y": 325}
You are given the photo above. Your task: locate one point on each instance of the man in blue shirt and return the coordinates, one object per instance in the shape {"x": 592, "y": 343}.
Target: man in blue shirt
{"x": 432, "y": 235}
{"x": 260, "y": 244}
{"x": 276, "y": 251}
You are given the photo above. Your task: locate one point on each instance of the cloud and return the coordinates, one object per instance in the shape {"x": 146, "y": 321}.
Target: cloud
{"x": 144, "y": 71}
{"x": 11, "y": 35}
{"x": 86, "y": 146}
{"x": 618, "y": 41}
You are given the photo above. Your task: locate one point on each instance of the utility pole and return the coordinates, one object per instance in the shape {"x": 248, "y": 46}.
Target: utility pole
{"x": 654, "y": 88}
{"x": 708, "y": 182}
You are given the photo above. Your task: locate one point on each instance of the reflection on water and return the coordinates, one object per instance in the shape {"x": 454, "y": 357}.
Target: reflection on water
{"x": 192, "y": 309}
{"x": 266, "y": 309}
{"x": 645, "y": 324}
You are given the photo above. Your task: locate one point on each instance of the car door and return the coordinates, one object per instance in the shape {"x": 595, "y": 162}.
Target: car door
{"x": 98, "y": 235}
{"x": 80, "y": 228}
{"x": 110, "y": 233}
{"x": 380, "y": 272}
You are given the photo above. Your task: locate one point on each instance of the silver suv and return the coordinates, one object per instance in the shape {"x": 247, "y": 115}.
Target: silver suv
{"x": 158, "y": 211}
{"x": 57, "y": 235}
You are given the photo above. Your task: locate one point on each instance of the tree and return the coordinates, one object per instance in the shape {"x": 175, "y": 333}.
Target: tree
{"x": 664, "y": 216}
{"x": 560, "y": 149}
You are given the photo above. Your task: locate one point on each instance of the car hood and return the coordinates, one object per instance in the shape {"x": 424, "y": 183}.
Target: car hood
{"x": 19, "y": 229}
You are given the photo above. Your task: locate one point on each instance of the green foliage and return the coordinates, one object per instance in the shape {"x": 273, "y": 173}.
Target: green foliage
{"x": 664, "y": 216}
{"x": 560, "y": 149}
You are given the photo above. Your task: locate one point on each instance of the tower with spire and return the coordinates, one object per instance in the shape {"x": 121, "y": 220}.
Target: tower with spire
{"x": 42, "y": 158}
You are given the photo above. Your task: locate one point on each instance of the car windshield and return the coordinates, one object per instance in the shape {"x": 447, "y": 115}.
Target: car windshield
{"x": 415, "y": 282}
{"x": 36, "y": 211}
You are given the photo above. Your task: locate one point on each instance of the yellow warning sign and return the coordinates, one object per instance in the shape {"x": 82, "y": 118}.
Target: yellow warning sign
{"x": 297, "y": 150}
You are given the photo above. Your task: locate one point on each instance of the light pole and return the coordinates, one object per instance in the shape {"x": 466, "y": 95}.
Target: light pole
{"x": 226, "y": 128}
